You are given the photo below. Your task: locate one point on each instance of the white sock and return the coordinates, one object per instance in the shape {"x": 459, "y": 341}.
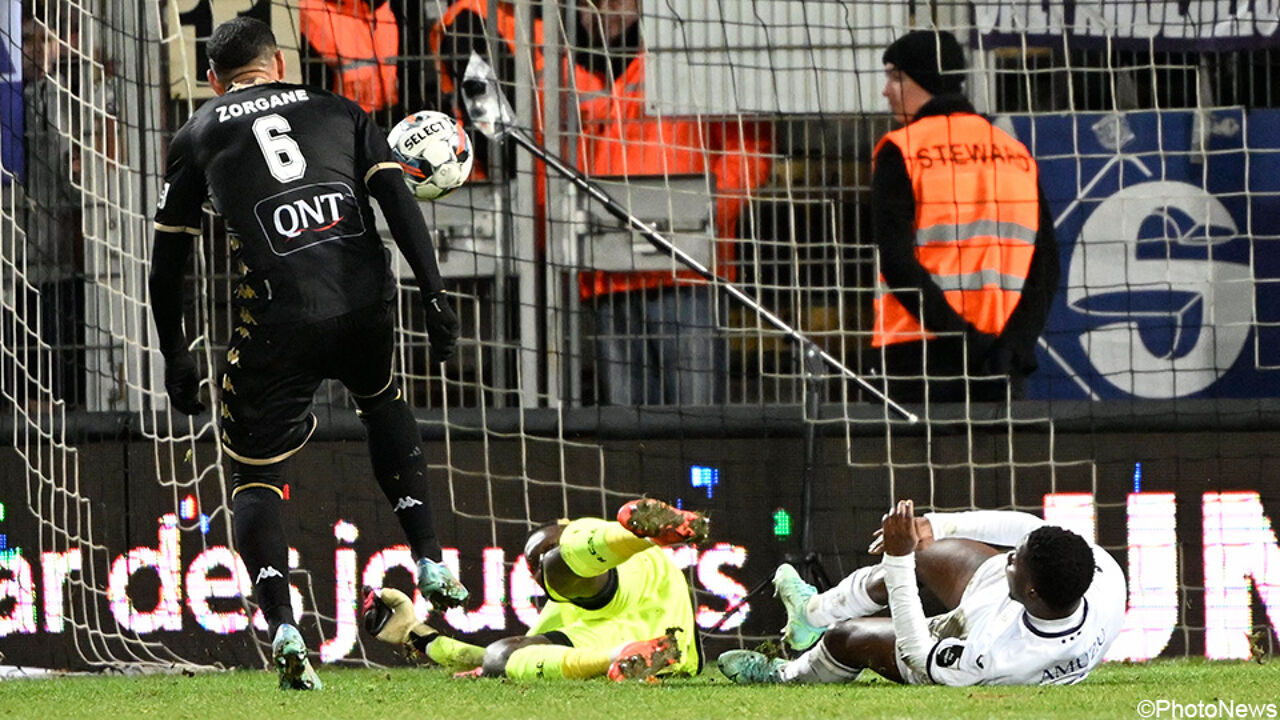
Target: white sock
{"x": 817, "y": 666}
{"x": 845, "y": 601}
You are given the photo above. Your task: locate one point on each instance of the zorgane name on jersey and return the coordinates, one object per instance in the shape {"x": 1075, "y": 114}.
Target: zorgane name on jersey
{"x": 262, "y": 104}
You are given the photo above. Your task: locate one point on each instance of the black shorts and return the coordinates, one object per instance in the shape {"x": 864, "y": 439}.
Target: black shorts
{"x": 270, "y": 375}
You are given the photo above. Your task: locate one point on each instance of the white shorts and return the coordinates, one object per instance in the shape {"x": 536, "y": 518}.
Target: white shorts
{"x": 987, "y": 586}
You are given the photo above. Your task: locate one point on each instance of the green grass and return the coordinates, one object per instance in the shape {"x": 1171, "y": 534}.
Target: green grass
{"x": 427, "y": 694}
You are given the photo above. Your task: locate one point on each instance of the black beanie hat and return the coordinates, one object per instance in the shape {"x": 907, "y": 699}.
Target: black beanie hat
{"x": 932, "y": 58}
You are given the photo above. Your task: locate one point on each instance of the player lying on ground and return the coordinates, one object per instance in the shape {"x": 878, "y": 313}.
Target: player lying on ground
{"x": 1044, "y": 613}
{"x": 618, "y": 604}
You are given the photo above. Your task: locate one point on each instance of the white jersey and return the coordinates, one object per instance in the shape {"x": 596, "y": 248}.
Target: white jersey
{"x": 990, "y": 639}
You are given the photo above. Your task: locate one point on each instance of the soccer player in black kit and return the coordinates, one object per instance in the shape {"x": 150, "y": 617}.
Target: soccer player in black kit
{"x": 291, "y": 169}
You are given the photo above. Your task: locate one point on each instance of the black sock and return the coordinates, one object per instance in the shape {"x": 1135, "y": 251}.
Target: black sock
{"x": 420, "y": 642}
{"x": 261, "y": 543}
{"x": 395, "y": 448}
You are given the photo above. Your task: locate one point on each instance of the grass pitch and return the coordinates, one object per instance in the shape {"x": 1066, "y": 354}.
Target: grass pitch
{"x": 1114, "y": 691}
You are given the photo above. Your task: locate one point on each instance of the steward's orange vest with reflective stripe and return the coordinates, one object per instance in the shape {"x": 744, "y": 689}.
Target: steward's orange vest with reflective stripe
{"x": 359, "y": 44}
{"x": 977, "y": 215}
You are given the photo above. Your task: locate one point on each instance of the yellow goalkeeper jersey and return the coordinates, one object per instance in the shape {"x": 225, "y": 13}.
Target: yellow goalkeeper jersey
{"x": 652, "y": 596}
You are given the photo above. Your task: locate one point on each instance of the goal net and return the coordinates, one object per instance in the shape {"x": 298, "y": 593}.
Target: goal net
{"x": 594, "y": 368}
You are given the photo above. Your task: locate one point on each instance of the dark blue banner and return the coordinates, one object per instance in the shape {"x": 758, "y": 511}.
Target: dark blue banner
{"x": 1159, "y": 25}
{"x": 1168, "y": 225}
{"x": 11, "y": 125}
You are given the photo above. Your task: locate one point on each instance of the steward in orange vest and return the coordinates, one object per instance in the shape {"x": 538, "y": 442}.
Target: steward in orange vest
{"x": 359, "y": 42}
{"x": 604, "y": 81}
{"x": 968, "y": 257}
{"x": 617, "y": 136}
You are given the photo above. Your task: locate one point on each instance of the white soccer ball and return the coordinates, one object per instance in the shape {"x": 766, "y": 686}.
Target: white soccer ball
{"x": 434, "y": 151}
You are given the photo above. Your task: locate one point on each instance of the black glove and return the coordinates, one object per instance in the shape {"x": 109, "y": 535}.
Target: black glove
{"x": 978, "y": 347}
{"x": 182, "y": 382}
{"x": 442, "y": 326}
{"x": 1006, "y": 358}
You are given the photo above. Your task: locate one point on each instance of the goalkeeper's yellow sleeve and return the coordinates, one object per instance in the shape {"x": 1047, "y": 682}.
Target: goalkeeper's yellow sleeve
{"x": 592, "y": 546}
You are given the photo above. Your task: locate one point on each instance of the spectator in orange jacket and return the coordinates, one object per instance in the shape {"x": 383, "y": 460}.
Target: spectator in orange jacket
{"x": 657, "y": 332}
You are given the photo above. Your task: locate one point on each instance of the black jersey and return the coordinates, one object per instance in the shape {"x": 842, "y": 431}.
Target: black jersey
{"x": 285, "y": 165}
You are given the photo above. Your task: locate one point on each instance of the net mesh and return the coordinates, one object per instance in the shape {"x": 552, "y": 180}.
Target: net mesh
{"x": 747, "y": 142}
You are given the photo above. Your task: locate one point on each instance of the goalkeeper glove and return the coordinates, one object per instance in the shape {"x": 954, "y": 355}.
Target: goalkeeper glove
{"x": 182, "y": 383}
{"x": 389, "y": 616}
{"x": 442, "y": 326}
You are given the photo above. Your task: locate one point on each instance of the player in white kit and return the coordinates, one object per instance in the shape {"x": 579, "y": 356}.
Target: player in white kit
{"x": 1044, "y": 613}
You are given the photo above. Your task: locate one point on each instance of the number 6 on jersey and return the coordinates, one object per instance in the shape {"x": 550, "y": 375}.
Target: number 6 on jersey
{"x": 284, "y": 157}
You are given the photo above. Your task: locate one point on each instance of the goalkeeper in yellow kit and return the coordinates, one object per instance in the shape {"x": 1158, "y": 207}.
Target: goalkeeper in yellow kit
{"x": 618, "y": 604}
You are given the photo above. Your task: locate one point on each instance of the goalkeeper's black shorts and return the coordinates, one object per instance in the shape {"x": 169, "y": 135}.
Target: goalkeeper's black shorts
{"x": 270, "y": 375}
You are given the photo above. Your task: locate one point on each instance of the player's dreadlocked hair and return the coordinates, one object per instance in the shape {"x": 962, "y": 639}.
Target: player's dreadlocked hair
{"x": 1061, "y": 565}
{"x": 238, "y": 42}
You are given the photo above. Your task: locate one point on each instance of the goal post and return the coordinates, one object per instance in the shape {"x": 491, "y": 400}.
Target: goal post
{"x": 589, "y": 372}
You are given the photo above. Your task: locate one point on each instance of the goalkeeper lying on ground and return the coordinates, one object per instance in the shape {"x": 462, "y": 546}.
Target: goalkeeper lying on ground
{"x": 618, "y": 604}
{"x": 1043, "y": 614}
